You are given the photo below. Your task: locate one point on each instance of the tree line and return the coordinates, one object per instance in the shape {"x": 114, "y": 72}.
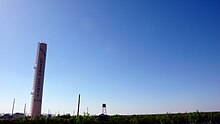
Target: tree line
{"x": 180, "y": 118}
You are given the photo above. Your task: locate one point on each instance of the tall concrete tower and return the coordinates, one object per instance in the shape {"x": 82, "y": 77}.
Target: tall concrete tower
{"x": 38, "y": 80}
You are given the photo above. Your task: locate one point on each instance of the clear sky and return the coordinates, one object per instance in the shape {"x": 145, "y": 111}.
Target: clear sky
{"x": 137, "y": 56}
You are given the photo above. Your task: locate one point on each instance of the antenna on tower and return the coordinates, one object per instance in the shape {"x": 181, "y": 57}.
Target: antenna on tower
{"x": 78, "y": 105}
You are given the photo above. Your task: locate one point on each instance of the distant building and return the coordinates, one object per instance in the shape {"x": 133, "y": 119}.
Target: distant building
{"x": 38, "y": 80}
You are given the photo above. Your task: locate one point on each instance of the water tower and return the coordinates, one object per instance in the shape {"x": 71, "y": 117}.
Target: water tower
{"x": 103, "y": 117}
{"x": 104, "y": 111}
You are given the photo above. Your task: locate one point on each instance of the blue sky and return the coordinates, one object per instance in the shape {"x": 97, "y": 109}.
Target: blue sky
{"x": 137, "y": 56}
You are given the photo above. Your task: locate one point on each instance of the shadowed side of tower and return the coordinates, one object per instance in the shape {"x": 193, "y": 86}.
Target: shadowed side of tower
{"x": 38, "y": 80}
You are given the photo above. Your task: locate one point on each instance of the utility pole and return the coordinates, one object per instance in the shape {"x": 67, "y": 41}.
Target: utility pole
{"x": 13, "y": 107}
{"x": 78, "y": 105}
{"x": 24, "y": 109}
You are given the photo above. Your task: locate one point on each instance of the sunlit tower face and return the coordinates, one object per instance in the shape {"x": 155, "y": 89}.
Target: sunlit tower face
{"x": 38, "y": 80}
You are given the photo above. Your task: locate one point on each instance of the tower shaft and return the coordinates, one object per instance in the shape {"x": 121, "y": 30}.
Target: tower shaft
{"x": 38, "y": 80}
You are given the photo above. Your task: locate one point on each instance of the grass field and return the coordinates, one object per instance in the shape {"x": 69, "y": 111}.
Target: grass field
{"x": 181, "y": 118}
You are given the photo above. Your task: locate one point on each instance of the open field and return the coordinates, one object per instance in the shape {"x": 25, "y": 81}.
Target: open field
{"x": 181, "y": 118}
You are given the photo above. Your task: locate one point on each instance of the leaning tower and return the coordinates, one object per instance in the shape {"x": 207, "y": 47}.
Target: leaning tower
{"x": 37, "y": 92}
